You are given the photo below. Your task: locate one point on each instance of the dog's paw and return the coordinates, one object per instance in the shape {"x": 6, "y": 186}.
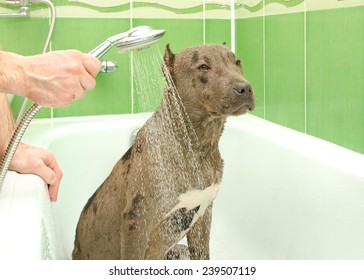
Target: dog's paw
{"x": 178, "y": 252}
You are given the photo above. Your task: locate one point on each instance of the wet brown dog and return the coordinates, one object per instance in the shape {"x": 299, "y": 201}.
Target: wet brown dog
{"x": 151, "y": 200}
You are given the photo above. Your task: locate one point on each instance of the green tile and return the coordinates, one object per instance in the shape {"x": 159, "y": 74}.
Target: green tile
{"x": 24, "y": 36}
{"x": 284, "y": 70}
{"x": 335, "y": 71}
{"x": 218, "y": 31}
{"x": 17, "y": 35}
{"x": 249, "y": 41}
{"x": 180, "y": 33}
{"x": 112, "y": 94}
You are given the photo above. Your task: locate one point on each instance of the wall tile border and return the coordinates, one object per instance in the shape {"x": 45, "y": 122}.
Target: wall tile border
{"x": 219, "y": 9}
{"x": 255, "y": 8}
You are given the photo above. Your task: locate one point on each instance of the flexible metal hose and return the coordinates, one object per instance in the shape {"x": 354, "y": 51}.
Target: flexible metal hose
{"x": 15, "y": 140}
{"x": 33, "y": 110}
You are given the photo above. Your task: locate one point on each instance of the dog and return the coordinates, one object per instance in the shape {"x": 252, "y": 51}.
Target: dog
{"x": 151, "y": 200}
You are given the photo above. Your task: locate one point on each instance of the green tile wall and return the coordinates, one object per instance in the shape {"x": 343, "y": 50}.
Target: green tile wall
{"x": 115, "y": 93}
{"x": 249, "y": 40}
{"x": 218, "y": 31}
{"x": 335, "y": 76}
{"x": 305, "y": 63}
{"x": 307, "y": 70}
{"x": 284, "y": 70}
{"x": 16, "y": 36}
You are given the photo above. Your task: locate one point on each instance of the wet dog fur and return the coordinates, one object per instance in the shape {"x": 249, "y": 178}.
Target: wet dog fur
{"x": 129, "y": 216}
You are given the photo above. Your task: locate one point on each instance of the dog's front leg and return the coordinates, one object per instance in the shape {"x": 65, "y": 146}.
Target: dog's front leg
{"x": 136, "y": 222}
{"x": 170, "y": 230}
{"x": 198, "y": 237}
{"x": 162, "y": 238}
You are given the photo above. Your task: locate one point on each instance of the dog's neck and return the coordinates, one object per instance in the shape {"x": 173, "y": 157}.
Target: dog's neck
{"x": 208, "y": 130}
{"x": 206, "y": 127}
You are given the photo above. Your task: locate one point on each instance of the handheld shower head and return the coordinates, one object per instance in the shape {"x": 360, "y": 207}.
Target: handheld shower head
{"x": 135, "y": 38}
{"x": 139, "y": 38}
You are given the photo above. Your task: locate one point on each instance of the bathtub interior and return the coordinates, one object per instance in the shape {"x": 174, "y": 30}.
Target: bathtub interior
{"x": 87, "y": 152}
{"x": 284, "y": 195}
{"x": 27, "y": 224}
{"x": 290, "y": 195}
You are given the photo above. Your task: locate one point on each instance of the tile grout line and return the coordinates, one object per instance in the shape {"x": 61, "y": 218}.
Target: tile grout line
{"x": 264, "y": 63}
{"x": 305, "y": 63}
{"x": 51, "y": 49}
{"x": 232, "y": 26}
{"x": 204, "y": 22}
{"x": 131, "y": 63}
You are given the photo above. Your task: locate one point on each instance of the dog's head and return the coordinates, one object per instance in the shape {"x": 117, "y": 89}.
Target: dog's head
{"x": 210, "y": 77}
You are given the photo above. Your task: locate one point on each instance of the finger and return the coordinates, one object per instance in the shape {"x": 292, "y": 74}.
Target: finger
{"x": 87, "y": 81}
{"x": 47, "y": 157}
{"x": 53, "y": 188}
{"x": 46, "y": 173}
{"x": 79, "y": 92}
{"x": 52, "y": 164}
{"x": 47, "y": 167}
{"x": 91, "y": 64}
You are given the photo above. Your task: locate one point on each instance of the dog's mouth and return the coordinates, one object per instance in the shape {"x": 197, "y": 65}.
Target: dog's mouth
{"x": 244, "y": 108}
{"x": 230, "y": 107}
{"x": 231, "y": 111}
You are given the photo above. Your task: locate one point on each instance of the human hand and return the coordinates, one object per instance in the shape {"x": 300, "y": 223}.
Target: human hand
{"x": 52, "y": 79}
{"x": 41, "y": 162}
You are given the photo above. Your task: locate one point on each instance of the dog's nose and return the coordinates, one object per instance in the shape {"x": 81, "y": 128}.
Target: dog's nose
{"x": 244, "y": 88}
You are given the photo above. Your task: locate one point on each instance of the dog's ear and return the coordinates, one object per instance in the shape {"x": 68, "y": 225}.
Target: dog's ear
{"x": 169, "y": 58}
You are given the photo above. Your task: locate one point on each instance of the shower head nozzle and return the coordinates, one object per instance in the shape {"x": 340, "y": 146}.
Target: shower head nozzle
{"x": 140, "y": 37}
{"x": 136, "y": 38}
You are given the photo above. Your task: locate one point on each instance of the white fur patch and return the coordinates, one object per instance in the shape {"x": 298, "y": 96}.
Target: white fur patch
{"x": 191, "y": 200}
{"x": 194, "y": 198}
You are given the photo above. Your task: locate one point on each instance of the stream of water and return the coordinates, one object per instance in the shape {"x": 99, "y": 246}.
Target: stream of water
{"x": 172, "y": 144}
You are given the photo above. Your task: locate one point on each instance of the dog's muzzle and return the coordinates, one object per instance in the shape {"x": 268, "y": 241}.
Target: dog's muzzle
{"x": 245, "y": 90}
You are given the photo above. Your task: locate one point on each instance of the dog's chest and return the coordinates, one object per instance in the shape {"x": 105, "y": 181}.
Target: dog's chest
{"x": 190, "y": 207}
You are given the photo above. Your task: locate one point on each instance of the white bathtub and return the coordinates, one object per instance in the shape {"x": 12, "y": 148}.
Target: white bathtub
{"x": 285, "y": 195}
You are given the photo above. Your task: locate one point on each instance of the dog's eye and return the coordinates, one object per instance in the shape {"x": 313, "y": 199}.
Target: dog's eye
{"x": 204, "y": 67}
{"x": 238, "y": 62}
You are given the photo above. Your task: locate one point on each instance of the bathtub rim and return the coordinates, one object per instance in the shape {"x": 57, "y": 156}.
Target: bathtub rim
{"x": 311, "y": 145}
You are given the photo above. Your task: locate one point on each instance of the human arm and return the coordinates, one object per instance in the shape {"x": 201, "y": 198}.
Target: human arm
{"x": 7, "y": 125}
{"x": 28, "y": 159}
{"x": 52, "y": 79}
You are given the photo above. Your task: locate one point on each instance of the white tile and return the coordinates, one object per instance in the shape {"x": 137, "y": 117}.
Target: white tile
{"x": 169, "y": 9}
{"x": 284, "y": 7}
{"x": 248, "y": 8}
{"x": 314, "y": 5}
{"x": 98, "y": 3}
{"x": 218, "y": 9}
{"x": 71, "y": 10}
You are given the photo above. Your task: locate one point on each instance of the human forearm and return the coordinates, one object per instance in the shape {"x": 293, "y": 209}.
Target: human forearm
{"x": 12, "y": 73}
{"x": 52, "y": 79}
{"x": 7, "y": 125}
